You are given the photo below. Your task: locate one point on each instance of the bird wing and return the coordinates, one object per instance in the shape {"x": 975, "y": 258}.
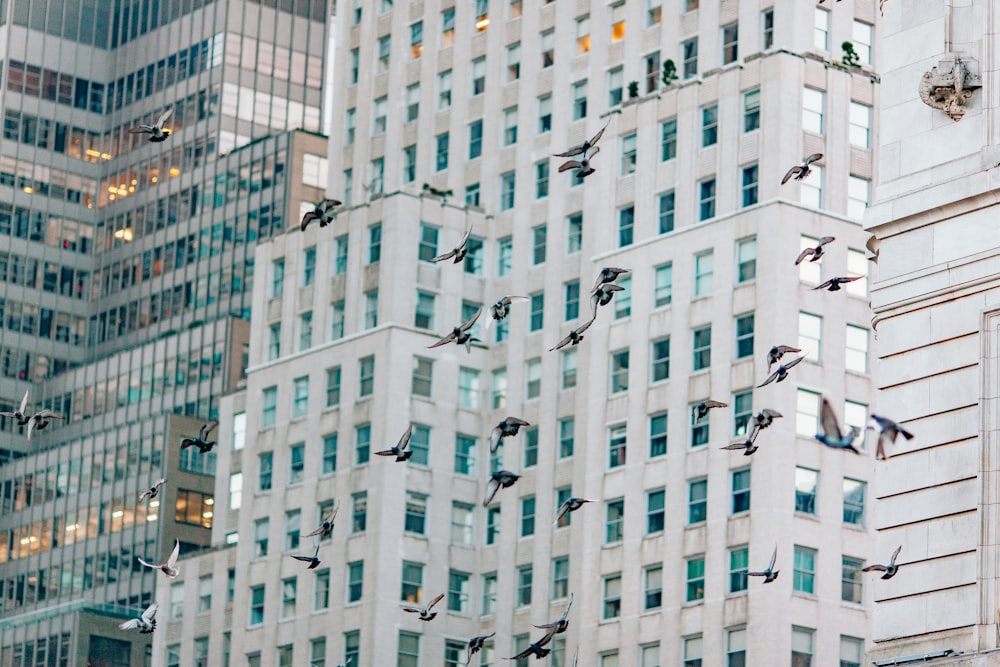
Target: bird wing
{"x": 150, "y": 613}
{"x": 773, "y": 414}
{"x": 575, "y": 656}
{"x": 850, "y": 279}
{"x": 783, "y": 349}
{"x": 774, "y": 557}
{"x": 824, "y": 285}
{"x": 892, "y": 561}
{"x": 514, "y": 299}
{"x": 163, "y": 117}
{"x": 48, "y": 414}
{"x": 435, "y": 601}
{"x": 31, "y": 427}
{"x": 318, "y": 530}
{"x": 594, "y": 299}
{"x": 404, "y": 440}
{"x": 769, "y": 380}
{"x": 815, "y": 157}
{"x": 828, "y": 421}
{"x": 568, "y": 604}
{"x": 172, "y": 561}
{"x": 563, "y": 511}
{"x": 561, "y": 344}
{"x": 141, "y": 129}
{"x": 412, "y": 610}
{"x": 523, "y": 654}
{"x": 491, "y": 490}
{"x": 802, "y": 255}
{"x": 735, "y": 446}
{"x": 160, "y": 482}
{"x": 145, "y": 494}
{"x": 794, "y": 361}
{"x": 24, "y": 403}
{"x": 206, "y": 430}
{"x": 306, "y": 219}
{"x": 715, "y": 404}
{"x": 791, "y": 172}
{"x": 444, "y": 341}
{"x": 549, "y": 634}
{"x": 570, "y": 164}
{"x": 600, "y": 133}
{"x": 304, "y": 559}
{"x": 448, "y": 255}
{"x": 906, "y": 434}
{"x": 152, "y": 565}
{"x": 327, "y": 204}
{"x": 385, "y": 452}
{"x": 516, "y": 421}
{"x": 576, "y": 150}
{"x": 824, "y": 240}
{"x": 465, "y": 239}
{"x": 468, "y": 325}
{"x": 586, "y": 325}
{"x": 495, "y": 436}
{"x": 130, "y": 625}
{"x": 874, "y": 568}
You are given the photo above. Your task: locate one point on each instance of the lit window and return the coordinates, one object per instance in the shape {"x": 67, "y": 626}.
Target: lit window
{"x": 482, "y": 16}
{"x": 412, "y": 582}
{"x": 194, "y": 508}
{"x": 416, "y": 39}
{"x": 618, "y": 22}
{"x": 448, "y": 27}
{"x": 583, "y": 34}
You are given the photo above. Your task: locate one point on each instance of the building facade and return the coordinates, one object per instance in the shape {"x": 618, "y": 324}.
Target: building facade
{"x": 445, "y": 121}
{"x": 936, "y": 302}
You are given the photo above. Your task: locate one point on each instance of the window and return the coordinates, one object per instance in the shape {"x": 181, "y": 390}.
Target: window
{"x": 748, "y": 187}
{"x": 413, "y": 581}
{"x": 461, "y": 524}
{"x": 506, "y": 191}
{"x": 730, "y": 40}
{"x": 371, "y": 309}
{"x": 424, "y": 313}
{"x": 655, "y": 512}
{"x": 408, "y": 653}
{"x": 355, "y": 65}
{"x": 697, "y": 500}
{"x": 857, "y": 265}
{"x": 612, "y": 598}
{"x": 813, "y": 103}
{"x": 710, "y": 125}
{"x": 269, "y": 406}
{"x": 702, "y": 348}
{"x": 538, "y": 244}
{"x": 854, "y": 502}
{"x": 742, "y": 411}
{"x": 305, "y": 331}
{"x": 856, "y": 355}
{"x": 862, "y": 35}
{"x": 744, "y": 336}
{"x": 524, "y": 577}
{"x": 448, "y": 27}
{"x": 618, "y": 21}
{"x": 176, "y": 601}
{"x": 851, "y": 579}
{"x": 653, "y": 593}
{"x": 489, "y": 592}
{"x": 860, "y": 125}
{"x": 441, "y": 152}
{"x": 582, "y": 34}
{"x": 695, "y": 579}
{"x": 806, "y": 413}
{"x": 548, "y": 48}
{"x": 580, "y": 100}
{"x": 362, "y": 443}
{"x": 690, "y": 51}
{"x": 277, "y": 278}
{"x": 626, "y": 225}
{"x": 235, "y": 490}
{"x": 329, "y": 464}
{"x": 468, "y": 388}
{"x": 352, "y": 643}
{"x": 851, "y": 650}
{"x": 416, "y": 39}
{"x": 668, "y": 139}
{"x": 629, "y": 144}
{"x": 257, "y": 605}
{"x": 821, "y": 29}
{"x": 741, "y": 490}
{"x": 736, "y": 647}
{"x": 260, "y": 529}
{"x": 528, "y": 512}
{"x": 658, "y": 435}
{"x": 810, "y": 334}
{"x": 296, "y": 463}
{"x": 537, "y": 317}
{"x": 562, "y": 495}
{"x": 194, "y": 508}
{"x": 856, "y": 415}
{"x": 274, "y": 341}
{"x": 379, "y": 116}
{"x": 567, "y": 429}
{"x": 510, "y": 126}
{"x": 366, "y": 375}
{"x": 544, "y": 115}
{"x": 614, "y": 524}
{"x": 444, "y": 89}
{"x": 415, "y": 515}
{"x": 572, "y": 309}
{"x": 738, "y": 559}
{"x": 492, "y": 525}
{"x": 811, "y": 192}
{"x": 857, "y": 197}
{"x": 300, "y": 398}
{"x": 321, "y": 590}
{"x": 498, "y": 389}
{"x": 616, "y": 80}
{"x": 746, "y": 259}
{"x": 420, "y": 444}
{"x": 374, "y": 243}
{"x": 288, "y": 594}
{"x": 619, "y": 372}
{"x": 767, "y": 29}
{"x": 616, "y": 446}
{"x": 265, "y": 463}
{"x": 652, "y": 71}
{"x": 805, "y": 569}
{"x": 706, "y": 199}
{"x": 805, "y": 490}
{"x": 412, "y": 105}
{"x": 542, "y": 179}
{"x": 340, "y": 261}
{"x": 317, "y": 648}
{"x": 751, "y": 111}
{"x": 560, "y": 577}
{"x": 350, "y": 127}
{"x": 692, "y": 645}
{"x": 458, "y": 591}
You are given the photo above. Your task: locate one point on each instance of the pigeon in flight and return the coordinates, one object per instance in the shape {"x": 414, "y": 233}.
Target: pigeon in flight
{"x": 832, "y": 436}
{"x": 762, "y": 420}
{"x": 800, "y": 171}
{"x": 474, "y": 646}
{"x": 202, "y": 442}
{"x": 570, "y": 505}
{"x": 399, "y": 450}
{"x": 169, "y": 568}
{"x": 770, "y": 574}
{"x": 312, "y": 560}
{"x": 574, "y": 337}
{"x": 425, "y": 613}
{"x": 701, "y": 410}
{"x": 582, "y": 166}
{"x": 156, "y": 132}
{"x": 458, "y": 252}
{"x": 887, "y": 432}
{"x": 145, "y": 623}
{"x": 781, "y": 372}
{"x": 507, "y": 427}
{"x": 322, "y": 211}
{"x": 557, "y": 626}
{"x": 814, "y": 253}
{"x": 498, "y": 311}
{"x": 747, "y": 445}
{"x": 40, "y": 420}
{"x": 890, "y": 569}
{"x": 608, "y": 274}
{"x": 501, "y": 478}
{"x": 460, "y": 335}
{"x": 586, "y": 145}
{"x": 833, "y": 284}
{"x": 19, "y": 415}
{"x": 777, "y": 352}
{"x": 533, "y": 649}
{"x": 326, "y": 526}
{"x": 602, "y": 297}
{"x": 152, "y": 491}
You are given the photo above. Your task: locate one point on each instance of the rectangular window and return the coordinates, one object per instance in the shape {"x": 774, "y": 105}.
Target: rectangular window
{"x": 355, "y": 65}
{"x": 658, "y": 435}
{"x": 412, "y": 103}
{"x": 744, "y": 336}
{"x": 651, "y": 69}
{"x": 340, "y": 256}
{"x": 859, "y": 132}
{"x": 489, "y": 592}
{"x": 416, "y": 39}
{"x": 448, "y": 27}
{"x": 321, "y": 590}
{"x": 668, "y": 139}
{"x": 652, "y": 594}
{"x": 537, "y": 317}
{"x": 257, "y": 605}
{"x": 805, "y": 569}
{"x": 300, "y": 397}
{"x": 507, "y": 191}
{"x": 265, "y": 469}
{"x": 697, "y": 500}
{"x": 851, "y": 650}
{"x": 751, "y": 110}
{"x": 288, "y": 594}
{"x": 461, "y": 524}
{"x": 531, "y": 446}
{"x": 612, "y": 598}
{"x": 408, "y": 652}
{"x": 492, "y": 525}
{"x": 548, "y": 48}
{"x": 655, "y": 512}
{"x": 524, "y": 577}
{"x": 857, "y": 265}
{"x": 544, "y": 115}
{"x": 738, "y": 559}
{"x": 514, "y": 62}
{"x": 362, "y": 443}
{"x": 296, "y": 463}
{"x": 821, "y": 29}
{"x": 468, "y": 388}
{"x": 623, "y": 302}
{"x": 371, "y": 309}
{"x": 748, "y": 186}
{"x": 854, "y": 502}
{"x": 420, "y": 444}
{"x": 498, "y": 389}
{"x": 510, "y": 126}
{"x": 856, "y": 354}
{"x": 542, "y": 179}
{"x": 528, "y": 516}
{"x": 699, "y": 428}
{"x": 538, "y": 243}
{"x": 423, "y": 317}
{"x": 742, "y": 410}
{"x": 374, "y": 243}
{"x": 441, "y": 152}
{"x": 329, "y": 463}
{"x": 663, "y": 285}
{"x": 692, "y": 645}
{"x": 802, "y": 646}
{"x": 352, "y": 644}
{"x": 366, "y": 375}
{"x": 690, "y": 52}
{"x": 805, "y": 490}
{"x": 741, "y": 490}
{"x": 560, "y": 577}
{"x": 730, "y": 40}
{"x": 614, "y": 524}
{"x": 626, "y": 225}
{"x": 616, "y": 445}
{"x": 857, "y": 196}
{"x": 562, "y": 495}
{"x": 806, "y": 413}
{"x": 862, "y": 33}
{"x": 458, "y": 591}
{"x": 415, "y": 515}
{"x": 851, "y": 579}
{"x": 618, "y": 21}
{"x": 350, "y": 127}
{"x": 444, "y": 89}
{"x": 706, "y": 199}
{"x": 619, "y": 372}
{"x": 666, "y": 214}
{"x": 379, "y": 116}
{"x": 274, "y": 341}
{"x": 260, "y": 538}
{"x": 710, "y": 125}
{"x": 746, "y": 259}
{"x": 736, "y": 647}
{"x": 277, "y": 278}
{"x": 420, "y": 384}
{"x": 572, "y": 309}
{"x": 616, "y": 79}
{"x": 412, "y": 582}
{"x": 767, "y": 29}
{"x": 269, "y": 406}
{"x": 810, "y": 334}
{"x": 813, "y": 103}
{"x": 629, "y": 148}
{"x": 580, "y": 100}
{"x": 567, "y": 432}
{"x": 702, "y": 348}
{"x": 695, "y": 579}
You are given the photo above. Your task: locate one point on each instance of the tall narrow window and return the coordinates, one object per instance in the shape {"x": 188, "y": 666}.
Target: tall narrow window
{"x": 666, "y": 215}
{"x": 805, "y": 490}
{"x": 702, "y": 348}
{"x": 580, "y": 100}
{"x": 548, "y": 48}
{"x": 616, "y": 446}
{"x": 651, "y": 69}
{"x": 663, "y": 285}
{"x": 444, "y": 89}
{"x": 805, "y": 570}
{"x": 706, "y": 199}
{"x": 695, "y": 580}
{"x": 583, "y": 34}
{"x": 710, "y": 125}
{"x": 697, "y": 500}
{"x": 704, "y": 269}
{"x": 629, "y": 145}
{"x": 658, "y": 435}
{"x": 746, "y": 259}
{"x": 821, "y": 29}
{"x": 748, "y": 185}
{"x": 616, "y": 80}
{"x": 626, "y": 225}
{"x": 544, "y": 114}
{"x": 741, "y": 490}
{"x": 738, "y": 559}
{"x": 767, "y": 29}
{"x": 813, "y": 103}
{"x": 542, "y": 179}
{"x": 730, "y": 40}
{"x": 690, "y": 52}
{"x": 862, "y": 38}
{"x": 744, "y": 336}
{"x": 619, "y": 371}
{"x": 859, "y": 132}
{"x": 448, "y": 27}
{"x": 614, "y": 526}
{"x": 514, "y": 62}
{"x": 751, "y": 110}
{"x": 572, "y": 310}
{"x": 668, "y": 139}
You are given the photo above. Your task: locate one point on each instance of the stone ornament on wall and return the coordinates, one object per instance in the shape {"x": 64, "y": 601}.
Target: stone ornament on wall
{"x": 950, "y": 85}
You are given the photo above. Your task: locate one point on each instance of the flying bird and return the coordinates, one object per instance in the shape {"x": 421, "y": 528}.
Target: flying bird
{"x": 586, "y": 145}
{"x": 169, "y": 568}
{"x": 458, "y": 252}
{"x": 152, "y": 491}
{"x": 832, "y": 436}
{"x": 582, "y": 166}
{"x": 781, "y": 372}
{"x": 887, "y": 432}
{"x": 501, "y": 478}
{"x": 506, "y": 427}
{"x": 570, "y": 505}
{"x": 770, "y": 574}
{"x": 459, "y": 335}
{"x": 608, "y": 274}
{"x": 399, "y": 450}
{"x": 890, "y": 569}
{"x": 814, "y": 253}
{"x": 762, "y": 420}
{"x": 800, "y": 171}
{"x": 557, "y": 626}
{"x": 701, "y": 410}
{"x": 833, "y": 284}
{"x": 19, "y": 415}
{"x": 747, "y": 445}
{"x": 777, "y": 352}
{"x": 40, "y": 420}
{"x": 602, "y": 297}
{"x": 574, "y": 337}
{"x": 312, "y": 560}
{"x": 326, "y": 526}
{"x": 498, "y": 311}
{"x": 533, "y": 649}
{"x": 322, "y": 211}
{"x": 156, "y": 132}
{"x": 474, "y": 646}
{"x": 145, "y": 623}
{"x": 202, "y": 442}
{"x": 425, "y": 613}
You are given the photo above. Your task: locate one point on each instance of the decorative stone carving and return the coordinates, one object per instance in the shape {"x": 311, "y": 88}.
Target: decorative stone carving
{"x": 950, "y": 85}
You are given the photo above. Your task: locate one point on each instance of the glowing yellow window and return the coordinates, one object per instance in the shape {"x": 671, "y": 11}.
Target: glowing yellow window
{"x": 618, "y": 22}
{"x": 582, "y": 34}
